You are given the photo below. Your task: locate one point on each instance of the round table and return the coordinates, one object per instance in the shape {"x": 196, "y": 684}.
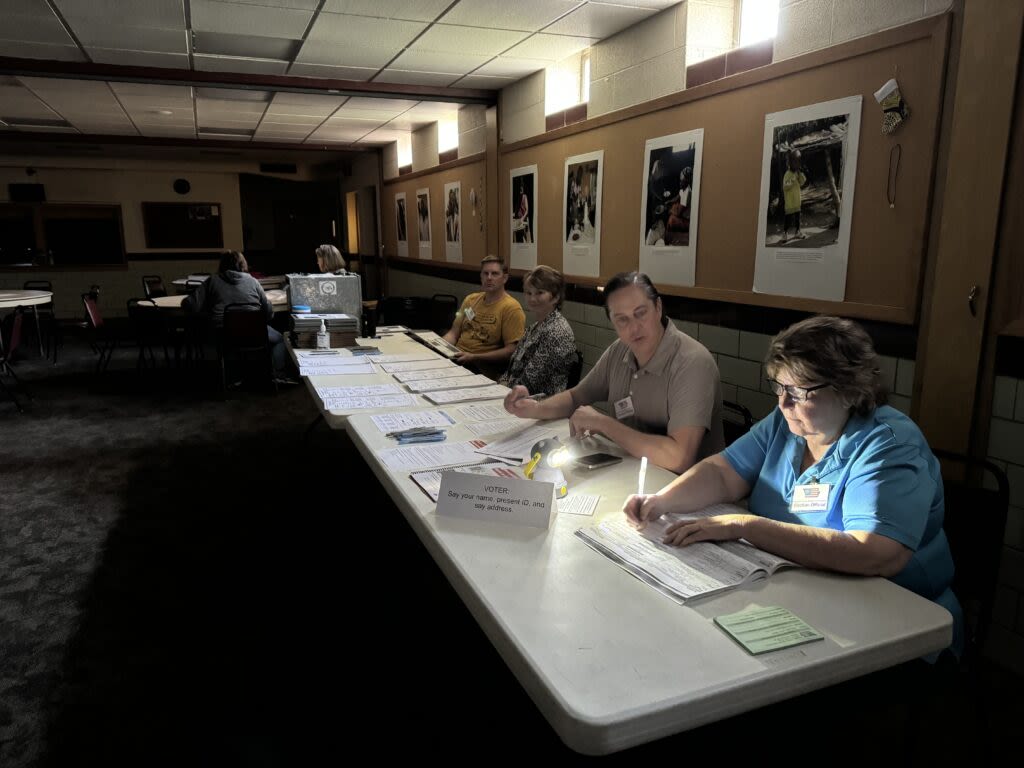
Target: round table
{"x": 9, "y": 299}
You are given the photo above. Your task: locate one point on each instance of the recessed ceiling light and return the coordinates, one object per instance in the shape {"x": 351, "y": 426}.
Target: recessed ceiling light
{"x": 163, "y": 112}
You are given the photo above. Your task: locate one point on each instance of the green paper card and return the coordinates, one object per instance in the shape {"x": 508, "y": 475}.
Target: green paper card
{"x": 771, "y": 628}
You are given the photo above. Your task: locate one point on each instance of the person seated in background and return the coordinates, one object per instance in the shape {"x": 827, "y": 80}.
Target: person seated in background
{"x": 664, "y": 386}
{"x": 836, "y": 479}
{"x": 330, "y": 260}
{"x": 234, "y": 285}
{"x": 546, "y": 353}
{"x": 489, "y": 323}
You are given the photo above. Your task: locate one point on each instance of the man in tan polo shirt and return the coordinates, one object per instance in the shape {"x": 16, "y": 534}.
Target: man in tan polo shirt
{"x": 662, "y": 385}
{"x": 489, "y": 323}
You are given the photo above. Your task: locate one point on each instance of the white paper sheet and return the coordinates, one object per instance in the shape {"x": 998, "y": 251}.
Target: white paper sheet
{"x": 336, "y": 370}
{"x": 499, "y": 427}
{"x": 578, "y": 504}
{"x": 462, "y": 382}
{"x": 366, "y": 390}
{"x": 519, "y": 444}
{"x": 482, "y": 412}
{"x": 393, "y": 422}
{"x": 461, "y": 395}
{"x": 405, "y": 357}
{"x": 434, "y": 373}
{"x": 362, "y": 403}
{"x": 418, "y": 365}
{"x": 429, "y": 455}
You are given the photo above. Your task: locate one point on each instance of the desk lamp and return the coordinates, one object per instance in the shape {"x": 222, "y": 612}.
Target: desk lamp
{"x": 546, "y": 465}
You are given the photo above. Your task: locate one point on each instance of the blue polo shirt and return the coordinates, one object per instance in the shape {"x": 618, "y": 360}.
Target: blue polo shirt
{"x": 884, "y": 479}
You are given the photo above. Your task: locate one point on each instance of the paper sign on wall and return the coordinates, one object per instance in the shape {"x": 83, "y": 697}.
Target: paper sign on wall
{"x": 499, "y": 499}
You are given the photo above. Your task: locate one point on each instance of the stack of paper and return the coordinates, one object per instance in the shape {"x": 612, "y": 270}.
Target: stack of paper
{"x": 492, "y": 392}
{"x": 518, "y": 445}
{"x": 436, "y": 384}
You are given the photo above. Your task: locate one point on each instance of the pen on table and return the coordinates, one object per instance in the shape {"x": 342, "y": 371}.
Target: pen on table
{"x": 643, "y": 474}
{"x": 538, "y": 397}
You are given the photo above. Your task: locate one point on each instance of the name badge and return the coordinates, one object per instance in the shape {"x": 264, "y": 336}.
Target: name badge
{"x": 469, "y": 314}
{"x": 812, "y": 497}
{"x": 624, "y": 408}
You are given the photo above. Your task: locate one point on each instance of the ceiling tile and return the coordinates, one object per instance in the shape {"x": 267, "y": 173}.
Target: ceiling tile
{"x": 245, "y": 46}
{"x": 599, "y": 21}
{"x": 379, "y": 115}
{"x": 487, "y": 82}
{"x": 409, "y": 10}
{"x": 388, "y": 134}
{"x": 40, "y": 51}
{"x": 325, "y": 52}
{"x": 334, "y": 73}
{"x": 550, "y": 47}
{"x": 308, "y": 5}
{"x": 429, "y": 61}
{"x": 107, "y": 35}
{"x": 139, "y": 58}
{"x": 307, "y": 104}
{"x": 34, "y": 28}
{"x": 507, "y": 66}
{"x": 472, "y": 40}
{"x": 367, "y": 102}
{"x": 526, "y": 15}
{"x": 657, "y": 5}
{"x": 17, "y": 101}
{"x": 141, "y": 13}
{"x": 440, "y": 79}
{"x": 205, "y": 63}
{"x": 344, "y": 30}
{"x": 340, "y": 133}
{"x": 354, "y": 123}
{"x": 233, "y": 94}
{"x": 246, "y": 19}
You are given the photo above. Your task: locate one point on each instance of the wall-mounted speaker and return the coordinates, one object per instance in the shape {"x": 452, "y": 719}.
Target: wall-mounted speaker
{"x": 26, "y": 193}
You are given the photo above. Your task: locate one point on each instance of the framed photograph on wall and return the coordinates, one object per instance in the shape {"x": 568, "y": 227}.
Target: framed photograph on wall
{"x": 453, "y": 221}
{"x": 808, "y": 174}
{"x": 523, "y": 248}
{"x": 581, "y": 215}
{"x": 401, "y": 225}
{"x": 669, "y": 204}
{"x": 423, "y": 222}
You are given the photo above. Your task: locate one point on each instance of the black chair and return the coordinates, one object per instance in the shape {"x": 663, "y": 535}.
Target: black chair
{"x": 243, "y": 337}
{"x": 575, "y": 371}
{"x": 153, "y": 286}
{"x": 443, "y": 308}
{"x": 150, "y": 332}
{"x": 736, "y": 421}
{"x": 10, "y": 340}
{"x": 414, "y": 312}
{"x": 975, "y": 525}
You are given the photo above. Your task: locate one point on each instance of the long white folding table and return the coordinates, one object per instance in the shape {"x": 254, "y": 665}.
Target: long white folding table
{"x": 612, "y": 663}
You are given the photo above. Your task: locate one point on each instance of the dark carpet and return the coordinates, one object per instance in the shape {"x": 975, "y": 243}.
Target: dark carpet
{"x": 187, "y": 579}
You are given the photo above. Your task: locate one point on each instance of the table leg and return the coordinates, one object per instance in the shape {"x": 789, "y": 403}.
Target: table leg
{"x": 39, "y": 334}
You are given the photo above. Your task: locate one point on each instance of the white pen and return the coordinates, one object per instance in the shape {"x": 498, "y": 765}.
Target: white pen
{"x": 643, "y": 474}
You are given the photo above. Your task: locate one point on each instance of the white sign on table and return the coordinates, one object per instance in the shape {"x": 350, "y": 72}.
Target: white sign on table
{"x": 502, "y": 500}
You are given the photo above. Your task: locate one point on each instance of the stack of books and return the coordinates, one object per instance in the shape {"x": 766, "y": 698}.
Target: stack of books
{"x": 343, "y": 329}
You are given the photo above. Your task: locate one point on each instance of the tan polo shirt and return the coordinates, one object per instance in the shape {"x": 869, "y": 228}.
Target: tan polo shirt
{"x": 679, "y": 387}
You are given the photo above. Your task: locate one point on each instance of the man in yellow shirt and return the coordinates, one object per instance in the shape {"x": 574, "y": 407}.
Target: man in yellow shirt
{"x": 489, "y": 323}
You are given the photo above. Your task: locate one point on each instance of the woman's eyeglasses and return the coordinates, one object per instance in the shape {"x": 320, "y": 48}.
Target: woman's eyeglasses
{"x": 794, "y": 393}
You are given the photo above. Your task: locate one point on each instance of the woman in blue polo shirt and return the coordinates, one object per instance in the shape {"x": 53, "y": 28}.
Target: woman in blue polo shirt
{"x": 837, "y": 480}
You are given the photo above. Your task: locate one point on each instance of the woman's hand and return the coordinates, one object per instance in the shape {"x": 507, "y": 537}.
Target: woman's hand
{"x": 586, "y": 421}
{"x": 642, "y": 509}
{"x": 519, "y": 403}
{"x": 717, "y": 528}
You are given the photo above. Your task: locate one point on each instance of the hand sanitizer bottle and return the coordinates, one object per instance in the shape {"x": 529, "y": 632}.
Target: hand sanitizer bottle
{"x": 323, "y": 340}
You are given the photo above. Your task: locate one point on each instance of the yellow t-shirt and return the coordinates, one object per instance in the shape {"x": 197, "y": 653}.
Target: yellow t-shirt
{"x": 791, "y": 183}
{"x": 487, "y": 327}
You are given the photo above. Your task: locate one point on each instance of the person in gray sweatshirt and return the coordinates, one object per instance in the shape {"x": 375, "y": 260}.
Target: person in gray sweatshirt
{"x": 234, "y": 285}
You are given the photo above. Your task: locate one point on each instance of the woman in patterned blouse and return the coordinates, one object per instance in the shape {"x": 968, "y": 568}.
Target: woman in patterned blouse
{"x": 547, "y": 351}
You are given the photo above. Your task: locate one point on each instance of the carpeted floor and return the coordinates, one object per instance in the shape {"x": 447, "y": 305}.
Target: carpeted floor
{"x": 190, "y": 580}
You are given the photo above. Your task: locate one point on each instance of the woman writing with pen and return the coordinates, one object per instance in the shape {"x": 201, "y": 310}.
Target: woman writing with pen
{"x": 663, "y": 385}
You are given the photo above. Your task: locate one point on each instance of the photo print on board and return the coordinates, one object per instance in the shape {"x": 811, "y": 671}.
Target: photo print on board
{"x": 581, "y": 215}
{"x": 401, "y": 225}
{"x": 808, "y": 175}
{"x": 669, "y": 202}
{"x": 423, "y": 222}
{"x": 453, "y": 221}
{"x": 524, "y": 217}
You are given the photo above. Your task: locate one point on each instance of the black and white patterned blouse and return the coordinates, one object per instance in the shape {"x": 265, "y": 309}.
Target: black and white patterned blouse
{"x": 543, "y": 357}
